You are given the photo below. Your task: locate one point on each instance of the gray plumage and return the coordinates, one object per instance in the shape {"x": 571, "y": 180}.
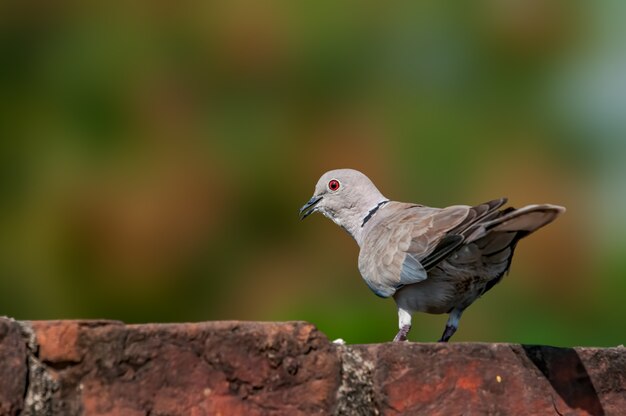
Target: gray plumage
{"x": 434, "y": 260}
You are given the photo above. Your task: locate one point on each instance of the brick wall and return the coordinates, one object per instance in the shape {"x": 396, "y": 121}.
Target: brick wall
{"x": 254, "y": 368}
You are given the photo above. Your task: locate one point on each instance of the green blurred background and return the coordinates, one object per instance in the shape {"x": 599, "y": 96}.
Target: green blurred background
{"x": 154, "y": 155}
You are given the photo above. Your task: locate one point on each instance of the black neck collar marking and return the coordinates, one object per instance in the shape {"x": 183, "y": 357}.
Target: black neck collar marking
{"x": 373, "y": 211}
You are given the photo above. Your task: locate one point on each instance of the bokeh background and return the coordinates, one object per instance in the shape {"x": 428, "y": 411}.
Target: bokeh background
{"x": 154, "y": 155}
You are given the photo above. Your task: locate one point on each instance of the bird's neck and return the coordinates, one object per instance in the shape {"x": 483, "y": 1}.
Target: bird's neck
{"x": 355, "y": 218}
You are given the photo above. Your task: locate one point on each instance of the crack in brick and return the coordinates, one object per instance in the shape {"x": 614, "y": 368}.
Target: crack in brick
{"x": 355, "y": 395}
{"x": 40, "y": 386}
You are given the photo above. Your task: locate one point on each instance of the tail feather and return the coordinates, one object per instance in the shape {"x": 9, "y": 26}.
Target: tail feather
{"x": 524, "y": 221}
{"x": 496, "y": 242}
{"x": 528, "y": 218}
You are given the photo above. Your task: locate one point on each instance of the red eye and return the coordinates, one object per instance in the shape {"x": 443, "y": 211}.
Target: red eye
{"x": 333, "y": 185}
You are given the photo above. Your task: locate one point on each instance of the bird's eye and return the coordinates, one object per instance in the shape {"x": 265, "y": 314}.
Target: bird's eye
{"x": 333, "y": 185}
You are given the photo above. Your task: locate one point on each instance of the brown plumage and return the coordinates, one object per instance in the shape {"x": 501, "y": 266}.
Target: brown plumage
{"x": 434, "y": 260}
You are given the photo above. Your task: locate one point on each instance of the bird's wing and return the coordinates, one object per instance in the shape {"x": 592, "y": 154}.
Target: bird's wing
{"x": 393, "y": 249}
{"x": 411, "y": 239}
{"x": 456, "y": 236}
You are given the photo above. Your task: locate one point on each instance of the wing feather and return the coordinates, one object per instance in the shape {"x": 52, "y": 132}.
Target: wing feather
{"x": 411, "y": 239}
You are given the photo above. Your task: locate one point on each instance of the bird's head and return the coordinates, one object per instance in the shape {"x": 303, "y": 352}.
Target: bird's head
{"x": 343, "y": 195}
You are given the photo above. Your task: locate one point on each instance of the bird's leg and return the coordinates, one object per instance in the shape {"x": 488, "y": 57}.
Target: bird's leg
{"x": 447, "y": 333}
{"x": 452, "y": 325}
{"x": 404, "y": 322}
{"x": 402, "y": 333}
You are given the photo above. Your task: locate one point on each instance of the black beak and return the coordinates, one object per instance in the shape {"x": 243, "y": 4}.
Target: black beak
{"x": 309, "y": 207}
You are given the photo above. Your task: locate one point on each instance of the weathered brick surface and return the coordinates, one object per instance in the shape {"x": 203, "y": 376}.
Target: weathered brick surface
{"x": 504, "y": 379}
{"x": 12, "y": 368}
{"x": 229, "y": 368}
{"x": 250, "y": 368}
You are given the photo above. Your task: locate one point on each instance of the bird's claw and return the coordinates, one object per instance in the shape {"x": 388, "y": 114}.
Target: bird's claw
{"x": 402, "y": 334}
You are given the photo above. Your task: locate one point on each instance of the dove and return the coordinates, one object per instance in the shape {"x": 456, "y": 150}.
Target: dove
{"x": 432, "y": 260}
